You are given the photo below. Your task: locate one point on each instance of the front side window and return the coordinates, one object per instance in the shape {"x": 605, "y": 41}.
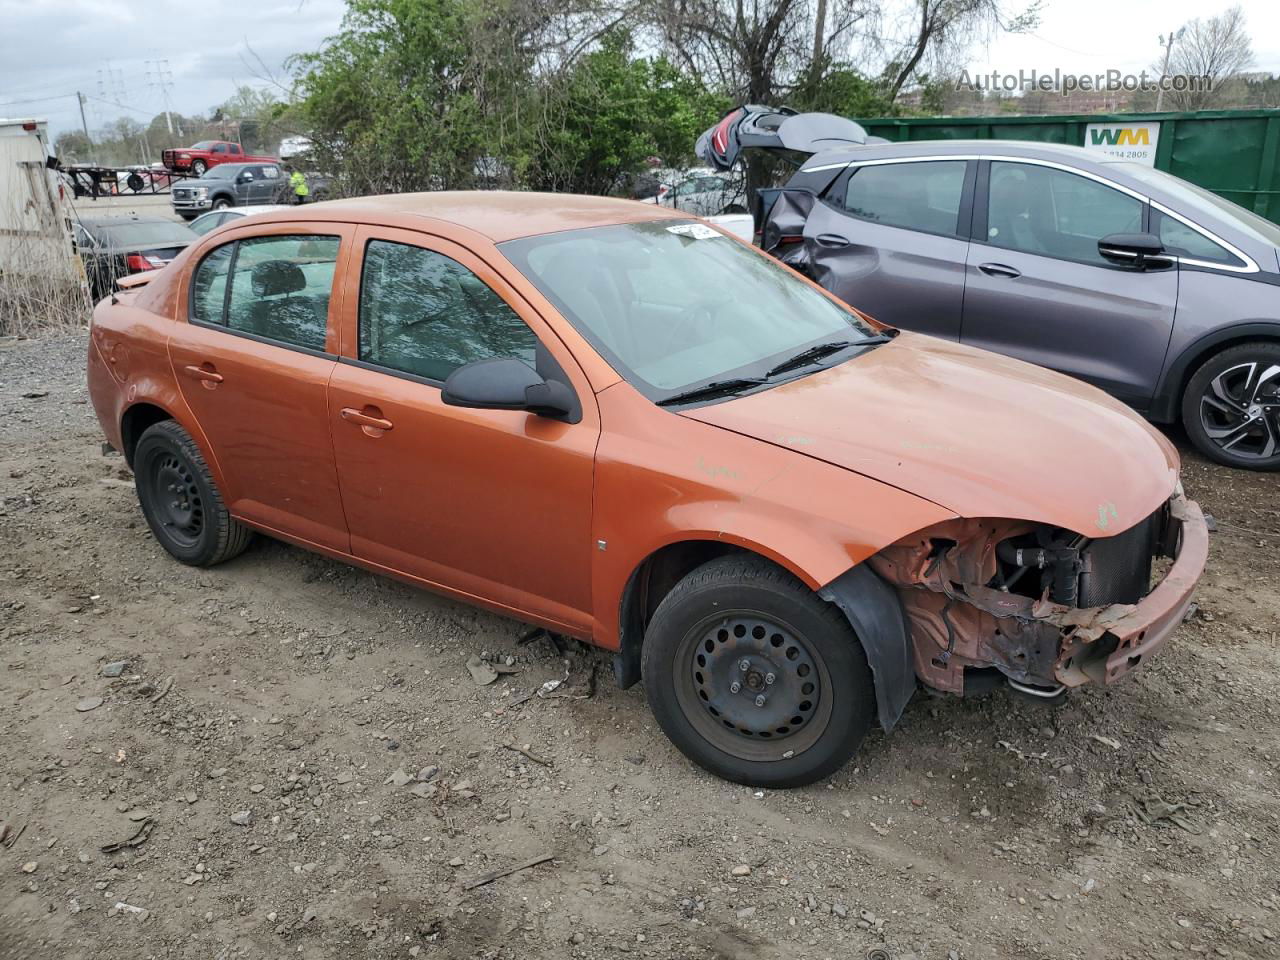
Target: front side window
{"x": 1053, "y": 213}
{"x": 673, "y": 305}
{"x": 424, "y": 314}
{"x": 279, "y": 288}
{"x": 916, "y": 196}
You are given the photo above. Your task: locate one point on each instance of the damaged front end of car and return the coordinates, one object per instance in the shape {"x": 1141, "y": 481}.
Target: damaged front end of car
{"x": 1046, "y": 608}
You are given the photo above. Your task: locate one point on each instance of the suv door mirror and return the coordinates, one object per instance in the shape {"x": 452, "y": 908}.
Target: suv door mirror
{"x": 1142, "y": 251}
{"x": 506, "y": 384}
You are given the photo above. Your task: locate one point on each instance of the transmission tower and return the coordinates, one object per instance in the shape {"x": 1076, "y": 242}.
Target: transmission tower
{"x": 160, "y": 78}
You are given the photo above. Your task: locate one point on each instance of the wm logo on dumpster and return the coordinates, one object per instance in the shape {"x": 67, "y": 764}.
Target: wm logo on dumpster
{"x": 1121, "y": 137}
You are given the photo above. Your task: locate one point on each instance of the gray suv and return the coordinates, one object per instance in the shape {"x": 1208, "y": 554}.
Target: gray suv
{"x": 1159, "y": 292}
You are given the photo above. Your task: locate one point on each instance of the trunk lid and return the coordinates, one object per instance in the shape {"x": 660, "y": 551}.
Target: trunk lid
{"x": 774, "y": 128}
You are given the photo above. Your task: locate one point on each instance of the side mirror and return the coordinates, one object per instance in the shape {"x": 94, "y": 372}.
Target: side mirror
{"x": 1141, "y": 251}
{"x": 246, "y": 177}
{"x": 506, "y": 384}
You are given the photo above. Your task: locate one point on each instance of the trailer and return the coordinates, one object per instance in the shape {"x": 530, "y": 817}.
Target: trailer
{"x": 39, "y": 268}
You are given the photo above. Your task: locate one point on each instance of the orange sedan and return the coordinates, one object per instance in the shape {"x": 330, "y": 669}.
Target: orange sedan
{"x": 628, "y": 427}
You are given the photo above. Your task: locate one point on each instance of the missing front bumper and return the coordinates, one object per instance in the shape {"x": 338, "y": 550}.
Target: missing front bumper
{"x": 959, "y": 622}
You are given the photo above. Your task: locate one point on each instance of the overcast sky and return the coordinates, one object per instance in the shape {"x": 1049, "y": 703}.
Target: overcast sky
{"x": 49, "y": 49}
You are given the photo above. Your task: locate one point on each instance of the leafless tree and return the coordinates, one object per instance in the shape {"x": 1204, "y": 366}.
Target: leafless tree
{"x": 924, "y": 33}
{"x": 1216, "y": 49}
{"x": 755, "y": 50}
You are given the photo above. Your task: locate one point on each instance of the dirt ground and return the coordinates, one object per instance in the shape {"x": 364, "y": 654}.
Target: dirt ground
{"x": 311, "y": 770}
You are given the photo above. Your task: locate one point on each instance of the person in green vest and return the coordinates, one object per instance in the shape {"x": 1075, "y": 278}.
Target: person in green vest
{"x": 299, "y": 184}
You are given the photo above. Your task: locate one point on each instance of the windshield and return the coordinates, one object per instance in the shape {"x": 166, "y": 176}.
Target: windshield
{"x": 130, "y": 234}
{"x": 1191, "y": 199}
{"x": 223, "y": 171}
{"x": 674, "y": 305}
{"x": 202, "y": 145}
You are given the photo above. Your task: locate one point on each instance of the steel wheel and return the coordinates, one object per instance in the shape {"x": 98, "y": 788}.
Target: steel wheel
{"x": 709, "y": 652}
{"x": 752, "y": 686}
{"x": 178, "y": 503}
{"x": 180, "y": 500}
{"x": 1240, "y": 410}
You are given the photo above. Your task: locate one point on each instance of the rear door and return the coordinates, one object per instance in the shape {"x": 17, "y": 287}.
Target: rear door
{"x": 266, "y": 185}
{"x": 1037, "y": 289}
{"x": 493, "y": 504}
{"x": 254, "y": 360}
{"x": 890, "y": 238}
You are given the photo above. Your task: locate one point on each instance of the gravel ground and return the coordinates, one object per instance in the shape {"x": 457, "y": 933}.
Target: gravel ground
{"x": 305, "y": 767}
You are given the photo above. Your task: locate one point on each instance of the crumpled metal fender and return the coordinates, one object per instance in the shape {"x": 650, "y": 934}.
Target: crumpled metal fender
{"x": 875, "y": 612}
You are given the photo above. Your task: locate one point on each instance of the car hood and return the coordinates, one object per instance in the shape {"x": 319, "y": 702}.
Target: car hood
{"x": 977, "y": 433}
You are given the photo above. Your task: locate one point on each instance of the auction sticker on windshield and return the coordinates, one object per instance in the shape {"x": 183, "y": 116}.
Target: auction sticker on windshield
{"x": 698, "y": 231}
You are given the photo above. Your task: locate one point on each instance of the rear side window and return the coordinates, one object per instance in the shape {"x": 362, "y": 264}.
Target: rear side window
{"x": 1182, "y": 241}
{"x": 279, "y": 288}
{"x": 916, "y": 196}
{"x": 425, "y": 314}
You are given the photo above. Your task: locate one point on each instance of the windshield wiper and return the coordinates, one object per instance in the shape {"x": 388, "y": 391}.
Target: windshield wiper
{"x": 820, "y": 350}
{"x": 715, "y": 388}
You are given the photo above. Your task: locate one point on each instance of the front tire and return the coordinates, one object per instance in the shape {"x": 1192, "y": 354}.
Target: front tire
{"x": 180, "y": 500}
{"x": 199, "y": 167}
{"x": 754, "y": 678}
{"x": 1231, "y": 407}
{"x": 222, "y": 203}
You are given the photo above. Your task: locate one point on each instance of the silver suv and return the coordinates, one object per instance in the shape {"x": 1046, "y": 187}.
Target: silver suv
{"x": 1161, "y": 293}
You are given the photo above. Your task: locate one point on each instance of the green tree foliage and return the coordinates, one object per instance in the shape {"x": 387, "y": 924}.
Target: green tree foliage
{"x": 609, "y": 114}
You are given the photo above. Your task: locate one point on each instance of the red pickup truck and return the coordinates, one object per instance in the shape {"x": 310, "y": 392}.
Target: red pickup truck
{"x": 206, "y": 154}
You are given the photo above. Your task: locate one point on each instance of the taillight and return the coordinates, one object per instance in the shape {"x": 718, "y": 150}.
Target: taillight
{"x": 791, "y": 238}
{"x": 138, "y": 262}
{"x": 720, "y": 139}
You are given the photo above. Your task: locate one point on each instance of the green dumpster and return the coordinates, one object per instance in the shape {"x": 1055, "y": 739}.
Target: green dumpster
{"x": 1231, "y": 152}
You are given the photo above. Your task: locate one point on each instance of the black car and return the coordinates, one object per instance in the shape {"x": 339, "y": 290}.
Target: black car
{"x": 112, "y": 247}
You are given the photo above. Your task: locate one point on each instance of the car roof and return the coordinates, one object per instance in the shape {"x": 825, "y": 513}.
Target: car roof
{"x": 917, "y": 148}
{"x": 89, "y": 222}
{"x": 499, "y": 215}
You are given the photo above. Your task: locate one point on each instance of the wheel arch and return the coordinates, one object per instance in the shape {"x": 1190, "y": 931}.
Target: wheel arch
{"x": 1167, "y": 402}
{"x": 654, "y": 577}
{"x": 135, "y": 420}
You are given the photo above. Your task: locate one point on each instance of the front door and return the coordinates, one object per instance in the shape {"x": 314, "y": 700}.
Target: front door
{"x": 254, "y": 360}
{"x": 1036, "y": 287}
{"x": 891, "y": 238}
{"x": 491, "y": 504}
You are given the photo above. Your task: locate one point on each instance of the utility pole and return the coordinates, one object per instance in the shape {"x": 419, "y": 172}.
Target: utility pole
{"x": 84, "y": 124}
{"x": 164, "y": 81}
{"x": 1174, "y": 35}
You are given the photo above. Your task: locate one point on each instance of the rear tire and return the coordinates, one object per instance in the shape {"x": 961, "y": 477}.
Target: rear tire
{"x": 180, "y": 500}
{"x": 1231, "y": 407}
{"x": 804, "y": 699}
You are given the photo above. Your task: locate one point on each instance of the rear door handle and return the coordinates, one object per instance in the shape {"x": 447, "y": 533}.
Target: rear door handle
{"x": 999, "y": 270}
{"x": 831, "y": 240}
{"x": 204, "y": 372}
{"x": 373, "y": 423}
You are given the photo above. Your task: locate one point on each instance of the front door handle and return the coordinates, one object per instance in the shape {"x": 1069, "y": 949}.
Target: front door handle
{"x": 370, "y": 420}
{"x": 999, "y": 270}
{"x": 831, "y": 240}
{"x": 205, "y": 372}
